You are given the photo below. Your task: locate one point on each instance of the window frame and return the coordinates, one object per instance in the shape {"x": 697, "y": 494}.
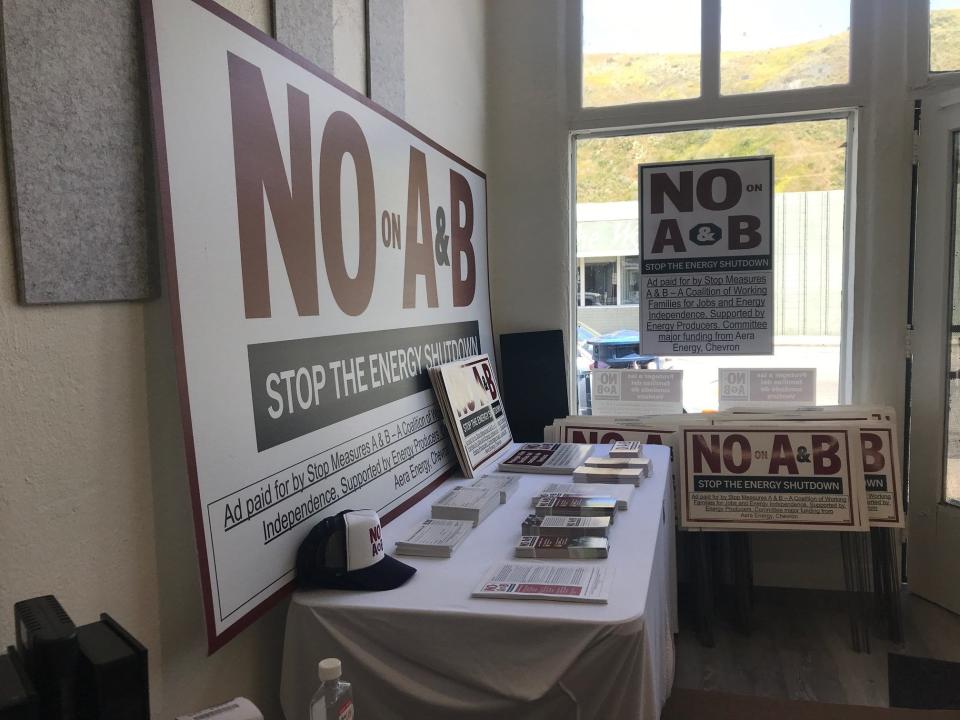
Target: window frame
{"x": 918, "y": 49}
{"x": 713, "y": 110}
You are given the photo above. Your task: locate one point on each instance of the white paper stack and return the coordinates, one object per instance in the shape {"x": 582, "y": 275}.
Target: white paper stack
{"x": 540, "y": 581}
{"x": 237, "y": 709}
{"x": 466, "y": 503}
{"x": 435, "y": 538}
{"x": 566, "y": 526}
{"x": 545, "y": 458}
{"x": 588, "y": 474}
{"x": 626, "y": 449}
{"x": 640, "y": 463}
{"x": 554, "y": 547}
{"x": 504, "y": 483}
{"x": 621, "y": 493}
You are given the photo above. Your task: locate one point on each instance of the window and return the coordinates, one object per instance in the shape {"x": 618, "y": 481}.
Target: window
{"x": 631, "y": 280}
{"x": 640, "y": 51}
{"x": 809, "y": 235}
{"x": 783, "y": 45}
{"x": 600, "y": 285}
{"x": 944, "y": 35}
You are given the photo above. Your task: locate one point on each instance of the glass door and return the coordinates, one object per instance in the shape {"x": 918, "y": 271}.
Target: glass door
{"x": 933, "y": 545}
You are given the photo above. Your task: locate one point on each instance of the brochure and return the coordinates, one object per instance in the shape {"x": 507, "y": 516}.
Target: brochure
{"x": 466, "y": 503}
{"x": 557, "y": 547}
{"x": 504, "y": 483}
{"x": 547, "y": 458}
{"x": 631, "y": 476}
{"x": 539, "y": 581}
{"x": 566, "y": 526}
{"x": 621, "y": 493}
{"x": 435, "y": 538}
{"x": 626, "y": 449}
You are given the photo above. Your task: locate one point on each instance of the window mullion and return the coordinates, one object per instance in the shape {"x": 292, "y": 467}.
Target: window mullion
{"x": 710, "y": 49}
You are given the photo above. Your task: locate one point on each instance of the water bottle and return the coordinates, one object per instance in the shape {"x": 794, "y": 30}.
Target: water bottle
{"x": 333, "y": 700}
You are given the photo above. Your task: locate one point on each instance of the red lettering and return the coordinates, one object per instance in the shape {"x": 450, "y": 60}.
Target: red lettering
{"x": 781, "y": 455}
{"x": 826, "y": 455}
{"x": 743, "y": 445}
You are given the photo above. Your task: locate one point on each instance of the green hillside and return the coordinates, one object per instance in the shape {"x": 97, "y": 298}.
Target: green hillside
{"x": 809, "y": 155}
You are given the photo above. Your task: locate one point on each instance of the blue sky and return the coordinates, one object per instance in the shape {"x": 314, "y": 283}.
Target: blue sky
{"x": 651, "y": 26}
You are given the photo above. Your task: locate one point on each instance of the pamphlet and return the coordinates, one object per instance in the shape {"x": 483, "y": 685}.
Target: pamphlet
{"x": 547, "y": 458}
{"x": 641, "y": 463}
{"x": 435, "y": 538}
{"x": 539, "y": 581}
{"x": 577, "y": 506}
{"x": 626, "y": 449}
{"x": 621, "y": 493}
{"x": 556, "y": 547}
{"x": 466, "y": 503}
{"x": 504, "y": 483}
{"x": 566, "y": 526}
{"x": 472, "y": 410}
{"x": 586, "y": 473}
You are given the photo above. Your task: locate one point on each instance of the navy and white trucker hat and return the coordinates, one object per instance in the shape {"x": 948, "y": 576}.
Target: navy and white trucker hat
{"x": 345, "y": 552}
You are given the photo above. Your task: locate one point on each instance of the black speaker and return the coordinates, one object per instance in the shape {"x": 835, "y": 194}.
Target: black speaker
{"x": 534, "y": 382}
{"x": 18, "y": 698}
{"x": 47, "y": 642}
{"x": 111, "y": 673}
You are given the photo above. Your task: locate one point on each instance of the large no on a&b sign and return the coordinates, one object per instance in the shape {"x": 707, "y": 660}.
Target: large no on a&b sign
{"x": 706, "y": 257}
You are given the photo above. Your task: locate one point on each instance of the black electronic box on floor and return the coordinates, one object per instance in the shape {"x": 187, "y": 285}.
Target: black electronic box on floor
{"x": 18, "y": 698}
{"x": 111, "y": 673}
{"x": 47, "y": 642}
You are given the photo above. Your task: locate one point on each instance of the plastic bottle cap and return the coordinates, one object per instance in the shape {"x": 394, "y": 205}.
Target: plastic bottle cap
{"x": 329, "y": 669}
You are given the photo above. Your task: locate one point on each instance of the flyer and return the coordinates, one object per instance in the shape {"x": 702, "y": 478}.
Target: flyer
{"x": 537, "y": 581}
{"x": 795, "y": 476}
{"x": 632, "y": 393}
{"x": 706, "y": 257}
{"x": 766, "y": 387}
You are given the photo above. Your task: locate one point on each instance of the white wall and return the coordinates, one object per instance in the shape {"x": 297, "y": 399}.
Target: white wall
{"x": 94, "y": 501}
{"x": 76, "y": 514}
{"x": 528, "y": 184}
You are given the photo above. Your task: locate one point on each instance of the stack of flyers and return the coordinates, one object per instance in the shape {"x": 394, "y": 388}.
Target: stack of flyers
{"x": 552, "y": 547}
{"x": 466, "y": 503}
{"x": 435, "y": 538}
{"x": 566, "y": 526}
{"x": 540, "y": 581}
{"x": 505, "y": 483}
{"x": 576, "y": 506}
{"x": 619, "y": 492}
{"x": 626, "y": 449}
{"x": 588, "y": 474}
{"x": 546, "y": 458}
{"x": 641, "y": 463}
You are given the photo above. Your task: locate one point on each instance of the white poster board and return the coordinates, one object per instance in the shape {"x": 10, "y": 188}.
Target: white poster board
{"x": 322, "y": 254}
{"x": 880, "y": 452}
{"x": 804, "y": 476}
{"x": 631, "y": 393}
{"x": 766, "y": 387}
{"x": 706, "y": 257}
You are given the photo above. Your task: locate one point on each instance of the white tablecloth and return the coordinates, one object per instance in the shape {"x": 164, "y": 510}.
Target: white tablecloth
{"x": 429, "y": 650}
